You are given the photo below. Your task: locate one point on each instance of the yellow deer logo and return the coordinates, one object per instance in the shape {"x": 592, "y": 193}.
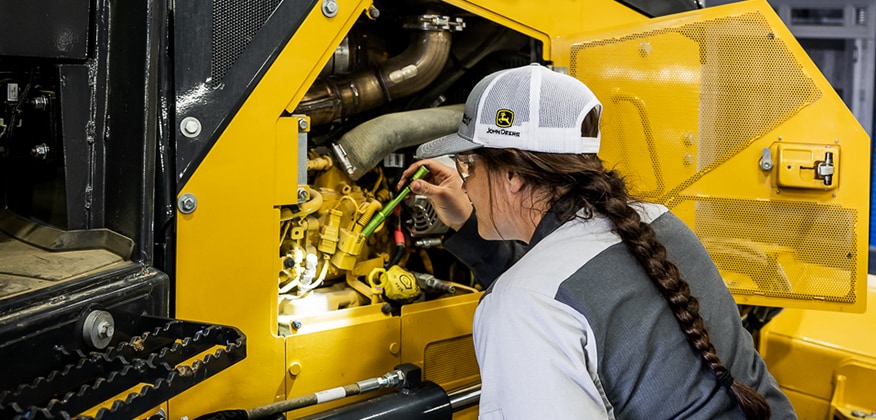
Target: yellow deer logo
{"x": 504, "y": 118}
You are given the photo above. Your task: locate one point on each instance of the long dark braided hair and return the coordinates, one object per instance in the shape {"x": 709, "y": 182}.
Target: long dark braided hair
{"x": 571, "y": 182}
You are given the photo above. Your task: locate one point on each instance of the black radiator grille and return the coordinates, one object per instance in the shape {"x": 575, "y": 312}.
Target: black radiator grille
{"x": 234, "y": 25}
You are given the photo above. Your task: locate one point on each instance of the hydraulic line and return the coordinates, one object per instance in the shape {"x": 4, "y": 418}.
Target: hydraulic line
{"x": 390, "y": 379}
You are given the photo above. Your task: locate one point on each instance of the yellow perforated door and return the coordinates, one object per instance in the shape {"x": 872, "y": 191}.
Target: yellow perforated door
{"x": 720, "y": 115}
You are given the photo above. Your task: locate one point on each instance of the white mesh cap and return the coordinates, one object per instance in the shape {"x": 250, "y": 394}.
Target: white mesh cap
{"x": 528, "y": 108}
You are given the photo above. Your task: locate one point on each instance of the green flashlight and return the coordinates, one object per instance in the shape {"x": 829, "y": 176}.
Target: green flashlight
{"x": 378, "y": 218}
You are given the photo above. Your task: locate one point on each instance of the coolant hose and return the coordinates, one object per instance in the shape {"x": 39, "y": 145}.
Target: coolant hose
{"x": 363, "y": 147}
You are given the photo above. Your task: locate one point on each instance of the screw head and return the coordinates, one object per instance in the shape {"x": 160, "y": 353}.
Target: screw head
{"x": 302, "y": 123}
{"x": 296, "y": 325}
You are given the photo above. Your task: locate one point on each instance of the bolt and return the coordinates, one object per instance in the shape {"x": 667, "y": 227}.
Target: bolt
{"x": 302, "y": 195}
{"x": 296, "y": 325}
{"x": 329, "y": 8}
{"x": 190, "y": 127}
{"x": 644, "y": 49}
{"x": 105, "y": 329}
{"x": 374, "y": 12}
{"x": 302, "y": 124}
{"x": 688, "y": 139}
{"x": 187, "y": 203}
{"x": 688, "y": 159}
{"x": 40, "y": 151}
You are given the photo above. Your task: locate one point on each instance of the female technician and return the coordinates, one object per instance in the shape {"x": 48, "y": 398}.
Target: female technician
{"x": 614, "y": 309}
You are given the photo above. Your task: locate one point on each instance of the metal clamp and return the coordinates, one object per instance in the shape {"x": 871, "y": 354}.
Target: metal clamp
{"x": 435, "y": 23}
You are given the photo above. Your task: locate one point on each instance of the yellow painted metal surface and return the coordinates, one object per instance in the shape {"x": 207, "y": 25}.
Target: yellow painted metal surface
{"x": 339, "y": 348}
{"x": 232, "y": 235}
{"x": 691, "y": 103}
{"x": 550, "y": 19}
{"x": 437, "y": 337}
{"x": 809, "y": 352}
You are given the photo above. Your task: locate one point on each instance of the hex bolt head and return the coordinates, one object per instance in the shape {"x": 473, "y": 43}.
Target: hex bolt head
{"x": 187, "y": 203}
{"x": 302, "y": 124}
{"x": 296, "y": 325}
{"x": 329, "y": 8}
{"x": 190, "y": 127}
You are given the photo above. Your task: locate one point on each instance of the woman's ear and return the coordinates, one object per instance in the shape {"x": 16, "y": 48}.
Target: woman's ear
{"x": 515, "y": 182}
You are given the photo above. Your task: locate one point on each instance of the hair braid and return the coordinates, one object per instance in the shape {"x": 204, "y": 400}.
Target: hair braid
{"x": 583, "y": 182}
{"x": 609, "y": 197}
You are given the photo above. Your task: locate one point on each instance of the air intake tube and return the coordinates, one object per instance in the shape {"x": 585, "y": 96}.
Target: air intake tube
{"x": 362, "y": 148}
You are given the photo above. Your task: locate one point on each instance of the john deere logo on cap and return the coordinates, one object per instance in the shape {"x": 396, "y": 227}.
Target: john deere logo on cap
{"x": 504, "y": 118}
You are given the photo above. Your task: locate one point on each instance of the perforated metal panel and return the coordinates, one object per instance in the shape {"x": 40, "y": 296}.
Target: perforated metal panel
{"x": 234, "y": 24}
{"x": 450, "y": 360}
{"x": 691, "y": 107}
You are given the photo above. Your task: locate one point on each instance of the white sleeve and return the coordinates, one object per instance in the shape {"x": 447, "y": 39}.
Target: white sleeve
{"x": 537, "y": 359}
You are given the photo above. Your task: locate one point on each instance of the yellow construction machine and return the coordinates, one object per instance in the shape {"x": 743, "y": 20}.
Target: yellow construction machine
{"x": 198, "y": 212}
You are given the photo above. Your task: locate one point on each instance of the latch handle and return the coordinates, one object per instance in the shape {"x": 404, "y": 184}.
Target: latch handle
{"x": 824, "y": 170}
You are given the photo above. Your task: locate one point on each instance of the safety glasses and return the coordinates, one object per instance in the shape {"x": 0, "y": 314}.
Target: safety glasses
{"x": 463, "y": 164}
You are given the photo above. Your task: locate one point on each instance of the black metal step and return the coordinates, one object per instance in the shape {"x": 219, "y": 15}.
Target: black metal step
{"x": 161, "y": 358}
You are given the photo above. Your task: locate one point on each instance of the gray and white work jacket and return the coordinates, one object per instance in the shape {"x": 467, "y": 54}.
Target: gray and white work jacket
{"x": 575, "y": 329}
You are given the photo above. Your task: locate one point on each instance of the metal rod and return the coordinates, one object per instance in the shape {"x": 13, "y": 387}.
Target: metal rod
{"x": 465, "y": 397}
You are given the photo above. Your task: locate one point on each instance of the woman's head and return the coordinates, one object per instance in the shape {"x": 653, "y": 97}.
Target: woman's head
{"x": 510, "y": 119}
{"x": 526, "y": 108}
{"x": 549, "y": 180}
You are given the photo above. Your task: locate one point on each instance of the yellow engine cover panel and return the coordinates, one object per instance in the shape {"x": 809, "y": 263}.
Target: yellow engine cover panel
{"x": 719, "y": 114}
{"x": 824, "y": 362}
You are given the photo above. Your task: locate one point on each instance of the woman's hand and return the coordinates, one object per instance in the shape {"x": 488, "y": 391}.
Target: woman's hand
{"x": 443, "y": 188}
